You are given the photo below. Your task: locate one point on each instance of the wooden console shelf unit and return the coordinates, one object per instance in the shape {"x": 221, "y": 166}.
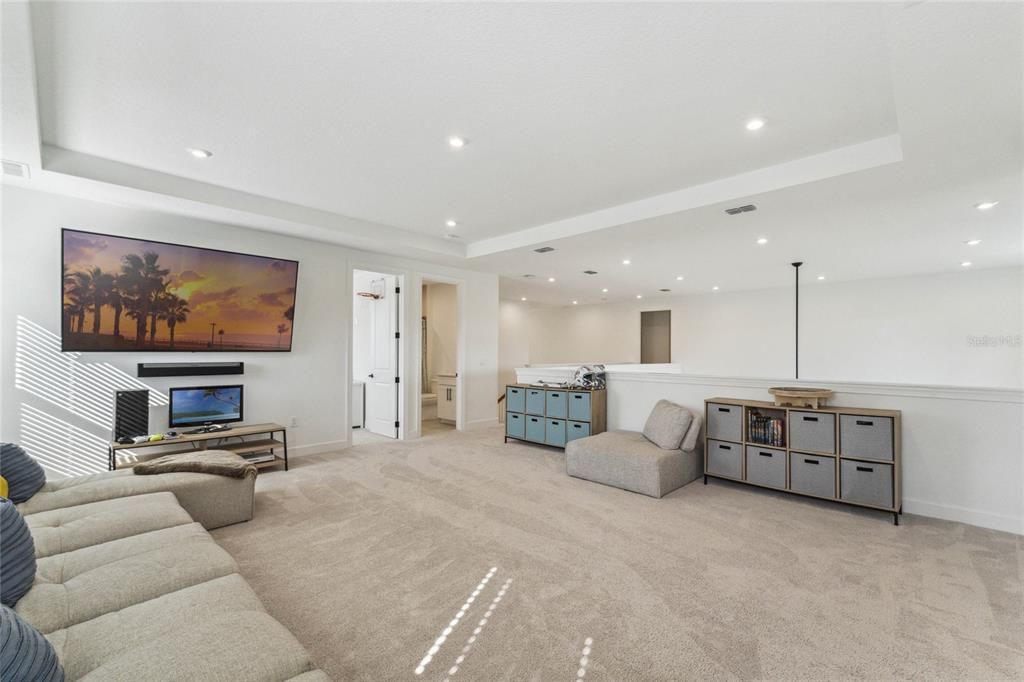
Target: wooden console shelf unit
{"x": 844, "y": 454}
{"x": 552, "y": 415}
{"x": 215, "y": 440}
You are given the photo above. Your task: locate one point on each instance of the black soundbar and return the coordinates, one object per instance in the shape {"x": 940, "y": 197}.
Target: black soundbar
{"x": 189, "y": 369}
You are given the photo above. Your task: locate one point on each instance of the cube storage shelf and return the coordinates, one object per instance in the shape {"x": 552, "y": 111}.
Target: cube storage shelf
{"x": 553, "y": 416}
{"x": 845, "y": 454}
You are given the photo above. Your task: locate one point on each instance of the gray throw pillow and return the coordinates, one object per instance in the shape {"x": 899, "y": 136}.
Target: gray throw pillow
{"x": 17, "y": 555}
{"x": 24, "y": 475}
{"x": 24, "y": 653}
{"x": 667, "y": 424}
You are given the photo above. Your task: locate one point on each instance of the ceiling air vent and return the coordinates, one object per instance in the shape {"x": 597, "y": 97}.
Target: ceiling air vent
{"x": 18, "y": 170}
{"x": 590, "y": 272}
{"x": 741, "y": 209}
{"x": 545, "y": 249}
{"x": 664, "y": 291}
{"x": 529, "y": 276}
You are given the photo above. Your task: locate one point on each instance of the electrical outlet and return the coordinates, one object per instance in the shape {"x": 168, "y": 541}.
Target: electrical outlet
{"x": 293, "y": 422}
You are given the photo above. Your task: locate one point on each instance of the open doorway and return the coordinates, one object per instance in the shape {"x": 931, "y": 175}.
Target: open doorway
{"x": 375, "y": 355}
{"x": 655, "y": 336}
{"x": 439, "y": 357}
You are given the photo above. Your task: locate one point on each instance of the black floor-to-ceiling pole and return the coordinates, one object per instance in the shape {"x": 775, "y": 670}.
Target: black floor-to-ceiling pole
{"x": 796, "y": 321}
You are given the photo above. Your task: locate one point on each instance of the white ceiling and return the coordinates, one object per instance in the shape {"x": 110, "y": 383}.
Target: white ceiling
{"x": 566, "y": 109}
{"x": 605, "y": 130}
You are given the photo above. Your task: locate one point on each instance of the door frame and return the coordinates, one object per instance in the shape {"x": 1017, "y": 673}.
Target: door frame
{"x": 410, "y": 306}
{"x": 400, "y": 327}
{"x": 460, "y": 351}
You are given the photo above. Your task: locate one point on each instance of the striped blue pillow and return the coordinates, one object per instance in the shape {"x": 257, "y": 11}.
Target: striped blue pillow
{"x": 24, "y": 653}
{"x": 24, "y": 475}
{"x": 17, "y": 555}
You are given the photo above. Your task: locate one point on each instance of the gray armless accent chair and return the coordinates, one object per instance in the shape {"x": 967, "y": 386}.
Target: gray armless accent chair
{"x": 662, "y": 458}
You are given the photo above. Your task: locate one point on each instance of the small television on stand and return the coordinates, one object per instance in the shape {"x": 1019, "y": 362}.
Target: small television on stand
{"x": 205, "y": 407}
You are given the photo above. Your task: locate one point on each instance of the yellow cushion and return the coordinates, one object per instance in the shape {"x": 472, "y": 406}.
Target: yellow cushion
{"x": 3, "y": 487}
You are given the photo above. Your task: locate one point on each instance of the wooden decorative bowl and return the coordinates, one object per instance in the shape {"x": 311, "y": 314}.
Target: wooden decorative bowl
{"x": 792, "y": 396}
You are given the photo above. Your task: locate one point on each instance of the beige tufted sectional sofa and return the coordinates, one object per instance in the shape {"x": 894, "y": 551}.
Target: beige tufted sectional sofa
{"x": 130, "y": 585}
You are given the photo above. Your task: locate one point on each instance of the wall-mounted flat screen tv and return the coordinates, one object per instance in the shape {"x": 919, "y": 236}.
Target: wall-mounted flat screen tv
{"x": 125, "y": 294}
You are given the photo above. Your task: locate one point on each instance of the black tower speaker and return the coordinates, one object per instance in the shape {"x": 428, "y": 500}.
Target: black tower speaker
{"x": 131, "y": 413}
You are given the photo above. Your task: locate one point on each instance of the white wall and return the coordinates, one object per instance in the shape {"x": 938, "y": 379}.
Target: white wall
{"x": 962, "y": 448}
{"x": 960, "y": 329}
{"x": 514, "y": 344}
{"x": 440, "y": 307}
{"x": 54, "y": 398}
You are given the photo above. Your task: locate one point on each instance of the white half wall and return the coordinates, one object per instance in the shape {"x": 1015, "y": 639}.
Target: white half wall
{"x": 61, "y": 403}
{"x": 958, "y": 329}
{"x": 962, "y": 447}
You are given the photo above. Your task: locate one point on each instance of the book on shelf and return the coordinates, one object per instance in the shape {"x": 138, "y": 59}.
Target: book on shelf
{"x": 766, "y": 429}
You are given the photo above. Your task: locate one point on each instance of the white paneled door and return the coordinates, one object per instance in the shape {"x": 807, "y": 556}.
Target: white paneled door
{"x": 381, "y": 384}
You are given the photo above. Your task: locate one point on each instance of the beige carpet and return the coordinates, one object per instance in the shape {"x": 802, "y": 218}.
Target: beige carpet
{"x": 369, "y": 555}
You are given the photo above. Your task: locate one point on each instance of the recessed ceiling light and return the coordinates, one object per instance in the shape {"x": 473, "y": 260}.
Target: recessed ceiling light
{"x": 575, "y": 302}
{"x": 450, "y": 223}
{"x": 714, "y": 288}
{"x": 551, "y": 279}
{"x": 966, "y": 264}
{"x": 972, "y": 242}
{"x": 200, "y": 153}
{"x": 604, "y": 291}
{"x": 679, "y": 278}
{"x": 821, "y": 277}
{"x": 639, "y": 296}
{"x": 762, "y": 240}
{"x": 755, "y": 124}
{"x": 523, "y": 298}
{"x": 626, "y": 262}
{"x": 456, "y": 142}
{"x": 986, "y": 205}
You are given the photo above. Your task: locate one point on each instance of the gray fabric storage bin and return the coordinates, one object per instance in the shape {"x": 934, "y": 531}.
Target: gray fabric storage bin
{"x": 814, "y": 431}
{"x": 865, "y": 436}
{"x": 725, "y": 459}
{"x": 812, "y": 475}
{"x": 766, "y": 466}
{"x": 725, "y": 422}
{"x": 866, "y": 483}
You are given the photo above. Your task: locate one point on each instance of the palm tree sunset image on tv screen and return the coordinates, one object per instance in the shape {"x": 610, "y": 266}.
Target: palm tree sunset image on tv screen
{"x": 123, "y": 294}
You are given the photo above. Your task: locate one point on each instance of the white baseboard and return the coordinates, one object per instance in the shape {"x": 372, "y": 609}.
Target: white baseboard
{"x": 318, "y": 448}
{"x": 973, "y": 517}
{"x": 479, "y": 424}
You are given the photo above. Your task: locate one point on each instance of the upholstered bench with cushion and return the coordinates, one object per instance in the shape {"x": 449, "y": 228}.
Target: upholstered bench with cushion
{"x": 655, "y": 462}
{"x": 213, "y": 501}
